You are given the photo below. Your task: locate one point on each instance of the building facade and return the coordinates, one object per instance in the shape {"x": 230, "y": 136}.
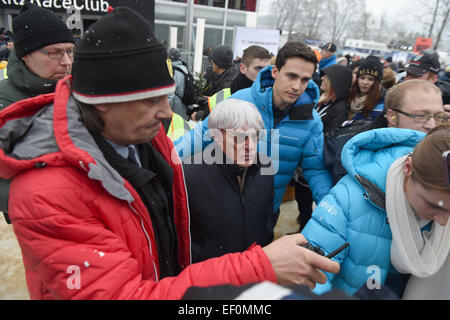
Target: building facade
{"x": 221, "y": 16}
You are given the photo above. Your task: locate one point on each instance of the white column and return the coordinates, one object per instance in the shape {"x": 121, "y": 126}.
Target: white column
{"x": 199, "y": 38}
{"x": 173, "y": 37}
{"x": 251, "y": 20}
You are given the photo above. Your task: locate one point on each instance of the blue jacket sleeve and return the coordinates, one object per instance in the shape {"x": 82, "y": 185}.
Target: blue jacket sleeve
{"x": 328, "y": 228}
{"x": 194, "y": 141}
{"x": 313, "y": 165}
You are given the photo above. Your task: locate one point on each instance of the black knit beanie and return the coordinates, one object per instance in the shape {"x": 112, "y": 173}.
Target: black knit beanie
{"x": 371, "y": 66}
{"x": 119, "y": 59}
{"x": 36, "y": 27}
{"x": 222, "y": 56}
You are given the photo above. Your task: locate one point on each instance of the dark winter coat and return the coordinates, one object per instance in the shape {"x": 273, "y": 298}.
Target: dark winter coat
{"x": 22, "y": 83}
{"x": 223, "y": 81}
{"x": 228, "y": 216}
{"x": 334, "y": 113}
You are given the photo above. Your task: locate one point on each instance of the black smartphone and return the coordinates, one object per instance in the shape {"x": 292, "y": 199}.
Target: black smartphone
{"x": 335, "y": 252}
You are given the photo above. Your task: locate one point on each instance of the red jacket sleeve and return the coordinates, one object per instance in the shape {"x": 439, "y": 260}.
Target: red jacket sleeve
{"x": 71, "y": 252}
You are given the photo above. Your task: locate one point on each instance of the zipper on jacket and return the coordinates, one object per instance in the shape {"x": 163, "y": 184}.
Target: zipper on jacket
{"x": 243, "y": 220}
{"x": 148, "y": 239}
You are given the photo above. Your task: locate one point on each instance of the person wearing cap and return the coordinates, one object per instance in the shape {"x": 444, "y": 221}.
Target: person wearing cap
{"x": 42, "y": 54}
{"x": 98, "y": 199}
{"x": 366, "y": 94}
{"x": 221, "y": 59}
{"x": 328, "y": 55}
{"x": 426, "y": 66}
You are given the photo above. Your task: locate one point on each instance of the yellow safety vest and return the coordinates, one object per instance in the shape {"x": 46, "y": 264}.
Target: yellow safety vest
{"x": 4, "y": 66}
{"x": 218, "y": 97}
{"x": 176, "y": 128}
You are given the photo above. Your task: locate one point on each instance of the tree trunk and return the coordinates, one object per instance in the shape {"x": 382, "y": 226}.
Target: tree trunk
{"x": 436, "y": 8}
{"x": 444, "y": 24}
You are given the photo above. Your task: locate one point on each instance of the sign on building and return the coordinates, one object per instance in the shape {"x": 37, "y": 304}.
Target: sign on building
{"x": 245, "y": 37}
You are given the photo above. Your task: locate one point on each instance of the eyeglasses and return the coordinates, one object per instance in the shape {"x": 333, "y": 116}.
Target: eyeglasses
{"x": 58, "y": 55}
{"x": 441, "y": 117}
{"x": 446, "y": 163}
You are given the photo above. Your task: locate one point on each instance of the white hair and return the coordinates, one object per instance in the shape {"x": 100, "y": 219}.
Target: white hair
{"x": 235, "y": 114}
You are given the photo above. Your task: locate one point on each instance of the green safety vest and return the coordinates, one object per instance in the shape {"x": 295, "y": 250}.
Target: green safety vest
{"x": 177, "y": 127}
{"x": 218, "y": 97}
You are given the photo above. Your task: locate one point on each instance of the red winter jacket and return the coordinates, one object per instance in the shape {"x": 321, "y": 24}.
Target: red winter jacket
{"x": 83, "y": 230}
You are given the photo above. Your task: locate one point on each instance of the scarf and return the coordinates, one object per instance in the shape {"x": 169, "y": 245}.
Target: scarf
{"x": 423, "y": 255}
{"x": 357, "y": 104}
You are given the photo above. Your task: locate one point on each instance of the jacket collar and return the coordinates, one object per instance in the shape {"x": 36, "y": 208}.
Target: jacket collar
{"x": 263, "y": 86}
{"x": 54, "y": 136}
{"x": 21, "y": 77}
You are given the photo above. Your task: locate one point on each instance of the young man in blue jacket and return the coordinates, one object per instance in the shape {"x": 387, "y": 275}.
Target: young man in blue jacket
{"x": 285, "y": 96}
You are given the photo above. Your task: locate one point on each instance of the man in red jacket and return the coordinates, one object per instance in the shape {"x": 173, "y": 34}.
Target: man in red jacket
{"x": 98, "y": 200}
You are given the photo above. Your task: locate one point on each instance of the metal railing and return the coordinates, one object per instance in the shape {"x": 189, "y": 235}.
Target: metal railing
{"x": 188, "y": 58}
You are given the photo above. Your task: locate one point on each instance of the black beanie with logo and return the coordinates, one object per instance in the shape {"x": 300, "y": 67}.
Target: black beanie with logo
{"x": 36, "y": 27}
{"x": 371, "y": 66}
{"x": 119, "y": 59}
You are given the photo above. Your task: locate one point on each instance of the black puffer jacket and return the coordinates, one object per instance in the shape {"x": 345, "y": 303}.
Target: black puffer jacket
{"x": 334, "y": 113}
{"x": 226, "y": 216}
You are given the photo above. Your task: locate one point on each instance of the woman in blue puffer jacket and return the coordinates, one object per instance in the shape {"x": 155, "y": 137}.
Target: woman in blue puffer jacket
{"x": 365, "y": 210}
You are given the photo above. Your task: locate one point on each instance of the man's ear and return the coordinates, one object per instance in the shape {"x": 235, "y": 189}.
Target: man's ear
{"x": 103, "y": 107}
{"x": 274, "y": 72}
{"x": 390, "y": 115}
{"x": 434, "y": 78}
{"x": 242, "y": 68}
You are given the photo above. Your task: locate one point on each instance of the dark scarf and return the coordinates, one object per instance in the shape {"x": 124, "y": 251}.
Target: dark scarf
{"x": 240, "y": 82}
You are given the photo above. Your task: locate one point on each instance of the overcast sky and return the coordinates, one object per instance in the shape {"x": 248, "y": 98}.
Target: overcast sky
{"x": 391, "y": 8}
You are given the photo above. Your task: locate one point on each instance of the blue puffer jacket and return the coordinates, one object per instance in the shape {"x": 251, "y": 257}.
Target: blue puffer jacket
{"x": 298, "y": 140}
{"x": 327, "y": 62}
{"x": 354, "y": 211}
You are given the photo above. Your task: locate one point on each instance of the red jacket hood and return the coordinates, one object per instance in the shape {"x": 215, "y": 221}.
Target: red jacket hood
{"x": 47, "y": 131}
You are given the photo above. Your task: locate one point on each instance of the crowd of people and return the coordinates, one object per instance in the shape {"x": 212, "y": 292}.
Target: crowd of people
{"x": 108, "y": 169}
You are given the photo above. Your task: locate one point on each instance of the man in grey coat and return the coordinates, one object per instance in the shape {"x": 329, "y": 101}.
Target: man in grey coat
{"x": 42, "y": 54}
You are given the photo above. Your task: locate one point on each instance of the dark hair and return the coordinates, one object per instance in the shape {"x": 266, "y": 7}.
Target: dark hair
{"x": 295, "y": 49}
{"x": 373, "y": 96}
{"x": 254, "y": 52}
{"x": 90, "y": 117}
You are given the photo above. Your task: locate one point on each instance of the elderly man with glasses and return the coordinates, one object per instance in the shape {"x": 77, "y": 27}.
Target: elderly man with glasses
{"x": 230, "y": 185}
{"x": 42, "y": 54}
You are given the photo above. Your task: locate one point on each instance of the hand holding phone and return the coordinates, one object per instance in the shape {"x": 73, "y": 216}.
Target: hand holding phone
{"x": 317, "y": 250}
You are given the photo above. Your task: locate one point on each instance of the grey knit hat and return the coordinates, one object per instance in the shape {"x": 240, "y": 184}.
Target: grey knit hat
{"x": 222, "y": 56}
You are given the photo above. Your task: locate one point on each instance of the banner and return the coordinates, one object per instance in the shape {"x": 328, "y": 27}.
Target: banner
{"x": 246, "y": 37}
{"x": 422, "y": 44}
